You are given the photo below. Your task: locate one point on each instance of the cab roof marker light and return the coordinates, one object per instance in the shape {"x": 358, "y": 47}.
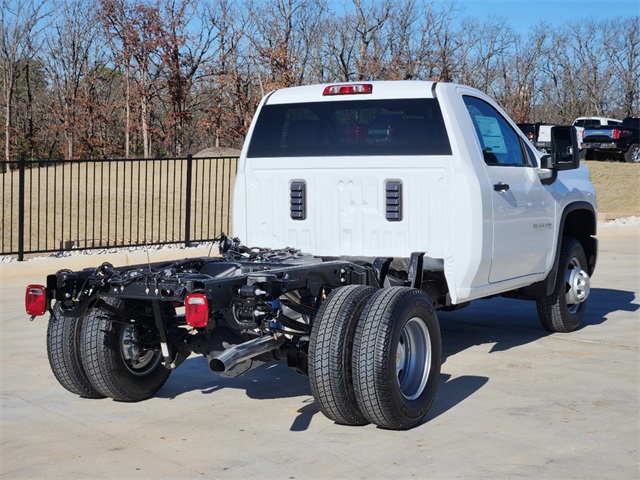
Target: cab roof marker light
{"x": 349, "y": 89}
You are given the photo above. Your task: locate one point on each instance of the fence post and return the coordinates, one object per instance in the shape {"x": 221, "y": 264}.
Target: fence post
{"x": 187, "y": 215}
{"x": 21, "y": 217}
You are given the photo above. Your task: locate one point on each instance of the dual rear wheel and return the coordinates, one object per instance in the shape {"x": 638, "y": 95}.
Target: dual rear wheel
{"x": 96, "y": 357}
{"x": 375, "y": 356}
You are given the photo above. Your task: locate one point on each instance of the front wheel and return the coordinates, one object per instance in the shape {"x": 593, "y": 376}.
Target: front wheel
{"x": 123, "y": 361}
{"x": 396, "y": 358}
{"x": 562, "y": 311}
{"x": 632, "y": 155}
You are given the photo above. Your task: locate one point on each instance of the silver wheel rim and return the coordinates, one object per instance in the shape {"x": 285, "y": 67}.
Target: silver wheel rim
{"x": 635, "y": 155}
{"x": 578, "y": 286}
{"x": 139, "y": 360}
{"x": 413, "y": 358}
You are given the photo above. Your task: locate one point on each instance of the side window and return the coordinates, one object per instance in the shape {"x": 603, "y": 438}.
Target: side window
{"x": 500, "y": 144}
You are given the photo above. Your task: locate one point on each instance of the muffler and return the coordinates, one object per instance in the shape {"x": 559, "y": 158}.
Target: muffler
{"x": 238, "y": 359}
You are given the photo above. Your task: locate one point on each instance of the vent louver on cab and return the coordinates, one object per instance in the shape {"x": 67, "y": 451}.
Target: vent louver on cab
{"x": 298, "y": 204}
{"x": 393, "y": 206}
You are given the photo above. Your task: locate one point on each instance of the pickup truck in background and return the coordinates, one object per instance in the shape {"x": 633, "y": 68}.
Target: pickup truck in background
{"x": 620, "y": 142}
{"x": 587, "y": 122}
{"x": 414, "y": 197}
{"x": 539, "y": 134}
{"x": 543, "y": 142}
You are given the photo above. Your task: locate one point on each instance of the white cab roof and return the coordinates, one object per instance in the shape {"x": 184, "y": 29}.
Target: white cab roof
{"x": 381, "y": 90}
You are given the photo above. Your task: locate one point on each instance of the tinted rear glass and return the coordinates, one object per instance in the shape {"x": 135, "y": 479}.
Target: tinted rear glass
{"x": 345, "y": 128}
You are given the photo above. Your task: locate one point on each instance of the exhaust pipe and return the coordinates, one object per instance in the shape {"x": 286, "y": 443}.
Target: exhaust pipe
{"x": 239, "y": 359}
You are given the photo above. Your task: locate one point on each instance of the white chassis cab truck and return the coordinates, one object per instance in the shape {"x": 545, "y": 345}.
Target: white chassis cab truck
{"x": 411, "y": 197}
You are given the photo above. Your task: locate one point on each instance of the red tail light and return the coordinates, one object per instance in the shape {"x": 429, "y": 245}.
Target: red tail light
{"x": 349, "y": 89}
{"x": 197, "y": 310}
{"x": 36, "y": 302}
{"x": 615, "y": 134}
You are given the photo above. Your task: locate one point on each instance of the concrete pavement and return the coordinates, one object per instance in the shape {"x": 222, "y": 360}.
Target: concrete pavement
{"x": 513, "y": 401}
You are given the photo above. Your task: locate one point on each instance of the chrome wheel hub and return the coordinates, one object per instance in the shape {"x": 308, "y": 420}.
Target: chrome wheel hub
{"x": 578, "y": 286}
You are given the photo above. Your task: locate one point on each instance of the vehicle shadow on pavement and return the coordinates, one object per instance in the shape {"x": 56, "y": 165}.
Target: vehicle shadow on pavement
{"x": 452, "y": 392}
{"x": 268, "y": 382}
{"x": 508, "y": 323}
{"x": 492, "y": 323}
{"x": 503, "y": 323}
{"x": 603, "y": 301}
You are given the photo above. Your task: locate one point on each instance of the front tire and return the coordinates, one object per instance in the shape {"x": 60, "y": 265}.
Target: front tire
{"x": 396, "y": 358}
{"x": 63, "y": 351}
{"x": 122, "y": 361}
{"x": 562, "y": 311}
{"x": 330, "y": 352}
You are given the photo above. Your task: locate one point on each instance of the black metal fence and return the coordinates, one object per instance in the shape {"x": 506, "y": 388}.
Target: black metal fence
{"x": 51, "y": 206}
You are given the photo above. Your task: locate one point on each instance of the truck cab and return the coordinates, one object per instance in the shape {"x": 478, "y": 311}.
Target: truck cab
{"x": 360, "y": 171}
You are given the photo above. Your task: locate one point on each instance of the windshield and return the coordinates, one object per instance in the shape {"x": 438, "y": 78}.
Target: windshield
{"x": 347, "y": 128}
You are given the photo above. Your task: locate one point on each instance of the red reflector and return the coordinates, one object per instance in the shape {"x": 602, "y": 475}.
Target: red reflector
{"x": 197, "y": 310}
{"x": 350, "y": 89}
{"x": 36, "y": 300}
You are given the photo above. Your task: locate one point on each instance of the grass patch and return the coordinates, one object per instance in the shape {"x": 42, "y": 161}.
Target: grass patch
{"x": 617, "y": 187}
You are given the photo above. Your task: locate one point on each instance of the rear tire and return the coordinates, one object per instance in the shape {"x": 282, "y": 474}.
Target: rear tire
{"x": 589, "y": 154}
{"x": 396, "y": 358}
{"x": 63, "y": 351}
{"x": 121, "y": 360}
{"x": 632, "y": 155}
{"x": 562, "y": 311}
{"x": 330, "y": 352}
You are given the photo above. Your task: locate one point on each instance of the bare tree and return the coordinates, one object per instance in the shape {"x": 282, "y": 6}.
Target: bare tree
{"x": 187, "y": 44}
{"x": 278, "y": 33}
{"x": 587, "y": 46}
{"x": 135, "y": 30}
{"x": 518, "y": 85}
{"x": 405, "y": 57}
{"x": 225, "y": 93}
{"x": 487, "y": 44}
{"x": 21, "y": 23}
{"x": 368, "y": 23}
{"x": 623, "y": 52}
{"x": 339, "y": 51}
{"x": 443, "y": 42}
{"x": 72, "y": 50}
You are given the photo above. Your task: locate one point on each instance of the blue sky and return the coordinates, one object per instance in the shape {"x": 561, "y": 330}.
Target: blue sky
{"x": 523, "y": 14}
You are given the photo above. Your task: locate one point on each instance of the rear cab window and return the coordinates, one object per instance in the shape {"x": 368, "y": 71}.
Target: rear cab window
{"x": 350, "y": 128}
